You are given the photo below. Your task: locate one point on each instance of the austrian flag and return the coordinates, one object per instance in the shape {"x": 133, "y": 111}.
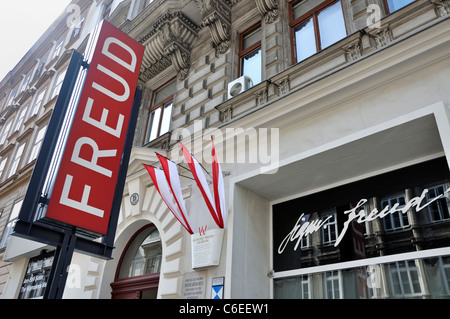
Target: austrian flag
{"x": 167, "y": 183}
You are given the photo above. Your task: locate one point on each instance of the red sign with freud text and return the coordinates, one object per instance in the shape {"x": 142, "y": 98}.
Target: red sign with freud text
{"x": 84, "y": 188}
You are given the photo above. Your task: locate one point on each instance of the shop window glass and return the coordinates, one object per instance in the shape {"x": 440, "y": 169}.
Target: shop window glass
{"x": 407, "y": 264}
{"x": 332, "y": 285}
{"x": 143, "y": 255}
{"x": 404, "y": 278}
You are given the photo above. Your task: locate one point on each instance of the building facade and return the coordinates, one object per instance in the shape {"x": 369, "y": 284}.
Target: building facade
{"x": 331, "y": 122}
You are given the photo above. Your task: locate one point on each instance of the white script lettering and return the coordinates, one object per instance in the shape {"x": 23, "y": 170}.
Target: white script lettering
{"x": 357, "y": 214}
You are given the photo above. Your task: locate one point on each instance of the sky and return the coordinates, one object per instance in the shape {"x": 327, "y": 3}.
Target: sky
{"x": 21, "y": 25}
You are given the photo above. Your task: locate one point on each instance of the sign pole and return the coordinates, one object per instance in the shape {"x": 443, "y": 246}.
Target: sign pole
{"x": 59, "y": 272}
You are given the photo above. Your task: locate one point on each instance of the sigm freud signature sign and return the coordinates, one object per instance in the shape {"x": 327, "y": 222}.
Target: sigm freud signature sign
{"x": 304, "y": 227}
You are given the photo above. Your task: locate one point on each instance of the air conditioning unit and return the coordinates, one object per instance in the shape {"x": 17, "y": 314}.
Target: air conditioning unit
{"x": 239, "y": 85}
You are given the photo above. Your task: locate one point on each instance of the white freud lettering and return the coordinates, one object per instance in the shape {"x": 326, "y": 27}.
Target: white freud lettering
{"x": 358, "y": 214}
{"x": 84, "y": 189}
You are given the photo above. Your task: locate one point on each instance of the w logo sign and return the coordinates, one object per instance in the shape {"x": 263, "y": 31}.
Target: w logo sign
{"x": 202, "y": 230}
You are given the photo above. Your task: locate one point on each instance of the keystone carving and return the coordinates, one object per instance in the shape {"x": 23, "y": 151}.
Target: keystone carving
{"x": 216, "y": 15}
{"x": 168, "y": 42}
{"x": 268, "y": 8}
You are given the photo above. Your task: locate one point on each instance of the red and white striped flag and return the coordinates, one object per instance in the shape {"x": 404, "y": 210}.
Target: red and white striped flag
{"x": 160, "y": 179}
{"x": 202, "y": 184}
{"x": 218, "y": 186}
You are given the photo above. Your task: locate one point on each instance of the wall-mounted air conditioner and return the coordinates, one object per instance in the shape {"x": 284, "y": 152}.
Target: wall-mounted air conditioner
{"x": 239, "y": 85}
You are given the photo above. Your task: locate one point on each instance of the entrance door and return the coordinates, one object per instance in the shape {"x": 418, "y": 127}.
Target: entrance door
{"x": 137, "y": 276}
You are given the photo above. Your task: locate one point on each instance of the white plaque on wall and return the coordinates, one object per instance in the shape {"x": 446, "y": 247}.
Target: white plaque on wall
{"x": 206, "y": 248}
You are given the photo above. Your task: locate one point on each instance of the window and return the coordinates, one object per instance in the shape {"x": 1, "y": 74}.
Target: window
{"x": 292, "y": 287}
{"x": 58, "y": 48}
{"x": 58, "y": 83}
{"x": 2, "y": 165}
{"x": 39, "y": 68}
{"x": 38, "y": 102}
{"x": 438, "y": 210}
{"x": 147, "y": 2}
{"x": 332, "y": 285}
{"x": 329, "y": 230}
{"x": 37, "y": 144}
{"x": 396, "y": 220}
{"x": 11, "y": 223}
{"x": 5, "y": 132}
{"x": 21, "y": 118}
{"x": 250, "y": 53}
{"x": 160, "y": 112}
{"x": 16, "y": 160}
{"x": 316, "y": 29}
{"x": 394, "y": 5}
{"x": 404, "y": 279}
{"x": 77, "y": 30}
{"x": 11, "y": 97}
{"x": 25, "y": 82}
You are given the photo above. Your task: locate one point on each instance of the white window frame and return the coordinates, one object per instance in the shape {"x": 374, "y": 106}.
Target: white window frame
{"x": 58, "y": 83}
{"x": 399, "y": 269}
{"x": 38, "y": 102}
{"x": 5, "y": 132}
{"x": 328, "y": 227}
{"x": 398, "y": 213}
{"x": 14, "y": 214}
{"x": 433, "y": 192}
{"x": 37, "y": 143}
{"x": 16, "y": 161}
{"x": 21, "y": 118}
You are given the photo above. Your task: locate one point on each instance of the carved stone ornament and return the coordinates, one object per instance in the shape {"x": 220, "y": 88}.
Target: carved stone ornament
{"x": 168, "y": 43}
{"x": 268, "y": 8}
{"x": 442, "y": 7}
{"x": 381, "y": 36}
{"x": 353, "y": 50}
{"x": 216, "y": 15}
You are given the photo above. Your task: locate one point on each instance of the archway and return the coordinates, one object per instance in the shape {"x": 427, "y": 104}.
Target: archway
{"x": 137, "y": 275}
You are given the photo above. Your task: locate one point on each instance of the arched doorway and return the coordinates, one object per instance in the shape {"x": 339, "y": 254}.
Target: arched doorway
{"x": 137, "y": 276}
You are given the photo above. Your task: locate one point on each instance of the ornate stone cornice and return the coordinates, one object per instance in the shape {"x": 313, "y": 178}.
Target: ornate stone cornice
{"x": 216, "y": 15}
{"x": 268, "y": 8}
{"x": 168, "y": 42}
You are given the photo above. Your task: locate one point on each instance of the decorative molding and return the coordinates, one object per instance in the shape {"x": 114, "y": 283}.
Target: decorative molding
{"x": 268, "y": 8}
{"x": 226, "y": 113}
{"x": 282, "y": 86}
{"x": 216, "y": 15}
{"x": 442, "y": 7}
{"x": 353, "y": 50}
{"x": 262, "y": 96}
{"x": 168, "y": 43}
{"x": 382, "y": 36}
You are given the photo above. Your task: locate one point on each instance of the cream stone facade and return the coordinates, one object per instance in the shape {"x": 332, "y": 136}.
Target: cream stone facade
{"x": 374, "y": 102}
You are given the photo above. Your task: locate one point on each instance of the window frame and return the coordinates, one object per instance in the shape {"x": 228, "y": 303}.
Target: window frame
{"x": 311, "y": 14}
{"x": 58, "y": 83}
{"x": 12, "y": 219}
{"x": 250, "y": 50}
{"x": 388, "y": 9}
{"x": 160, "y": 105}
{"x": 16, "y": 159}
{"x": 399, "y": 214}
